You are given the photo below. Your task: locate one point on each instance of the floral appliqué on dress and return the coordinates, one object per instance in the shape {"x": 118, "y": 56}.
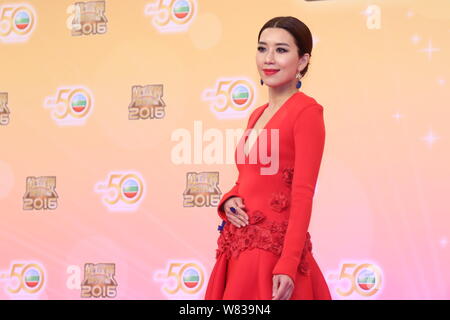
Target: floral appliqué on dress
{"x": 288, "y": 174}
{"x": 279, "y": 201}
{"x": 259, "y": 233}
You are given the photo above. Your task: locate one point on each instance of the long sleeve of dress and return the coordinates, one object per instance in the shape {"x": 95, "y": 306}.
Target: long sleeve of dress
{"x": 234, "y": 192}
{"x": 309, "y": 139}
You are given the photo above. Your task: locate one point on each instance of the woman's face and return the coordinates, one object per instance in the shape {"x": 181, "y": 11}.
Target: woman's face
{"x": 277, "y": 51}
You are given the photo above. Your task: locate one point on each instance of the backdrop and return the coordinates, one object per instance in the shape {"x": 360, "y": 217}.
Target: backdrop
{"x": 118, "y": 126}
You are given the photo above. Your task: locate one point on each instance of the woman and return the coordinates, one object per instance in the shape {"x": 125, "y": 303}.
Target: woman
{"x": 264, "y": 248}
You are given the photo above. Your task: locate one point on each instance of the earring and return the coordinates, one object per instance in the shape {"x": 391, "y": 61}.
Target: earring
{"x": 299, "y": 83}
{"x": 262, "y": 82}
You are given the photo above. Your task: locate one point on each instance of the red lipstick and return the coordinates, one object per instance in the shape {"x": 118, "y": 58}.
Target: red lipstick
{"x": 269, "y": 72}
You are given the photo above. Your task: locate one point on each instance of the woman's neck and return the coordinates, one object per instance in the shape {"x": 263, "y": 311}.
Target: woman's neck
{"x": 278, "y": 95}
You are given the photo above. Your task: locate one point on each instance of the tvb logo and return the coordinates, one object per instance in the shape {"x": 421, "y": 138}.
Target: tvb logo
{"x": 230, "y": 98}
{"x": 17, "y": 22}
{"x": 171, "y": 15}
{"x": 24, "y": 279}
{"x": 181, "y": 279}
{"x": 122, "y": 191}
{"x": 357, "y": 279}
{"x": 70, "y": 106}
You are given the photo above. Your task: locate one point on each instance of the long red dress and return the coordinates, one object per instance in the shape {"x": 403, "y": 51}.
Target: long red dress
{"x": 276, "y": 240}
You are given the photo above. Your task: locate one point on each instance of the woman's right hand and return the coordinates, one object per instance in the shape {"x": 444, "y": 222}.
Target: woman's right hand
{"x": 240, "y": 217}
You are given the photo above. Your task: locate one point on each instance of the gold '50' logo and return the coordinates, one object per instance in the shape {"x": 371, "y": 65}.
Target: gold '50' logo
{"x": 365, "y": 279}
{"x": 171, "y": 15}
{"x": 24, "y": 278}
{"x": 122, "y": 191}
{"x": 231, "y": 97}
{"x": 188, "y": 277}
{"x": 70, "y": 105}
{"x": 17, "y": 22}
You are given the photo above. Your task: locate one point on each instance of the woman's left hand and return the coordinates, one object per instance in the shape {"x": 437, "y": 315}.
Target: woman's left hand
{"x": 282, "y": 287}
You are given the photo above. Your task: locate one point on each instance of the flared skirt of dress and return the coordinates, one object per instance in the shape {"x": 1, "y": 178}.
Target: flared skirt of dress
{"x": 249, "y": 277}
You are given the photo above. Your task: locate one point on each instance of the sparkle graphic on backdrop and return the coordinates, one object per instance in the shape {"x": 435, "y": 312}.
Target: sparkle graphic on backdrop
{"x": 429, "y": 50}
{"x": 397, "y": 115}
{"x": 430, "y": 138}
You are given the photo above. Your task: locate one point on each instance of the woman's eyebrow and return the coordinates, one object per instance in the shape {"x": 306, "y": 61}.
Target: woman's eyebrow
{"x": 277, "y": 44}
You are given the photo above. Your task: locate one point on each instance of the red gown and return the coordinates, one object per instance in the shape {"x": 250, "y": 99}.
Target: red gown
{"x": 276, "y": 240}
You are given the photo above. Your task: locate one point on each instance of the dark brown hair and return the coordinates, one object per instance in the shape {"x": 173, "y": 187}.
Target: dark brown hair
{"x": 298, "y": 30}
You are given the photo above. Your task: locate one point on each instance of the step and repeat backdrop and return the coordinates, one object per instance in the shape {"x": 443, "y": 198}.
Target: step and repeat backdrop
{"x": 118, "y": 122}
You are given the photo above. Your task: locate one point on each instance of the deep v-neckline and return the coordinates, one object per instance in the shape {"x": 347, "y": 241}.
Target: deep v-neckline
{"x": 252, "y": 126}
